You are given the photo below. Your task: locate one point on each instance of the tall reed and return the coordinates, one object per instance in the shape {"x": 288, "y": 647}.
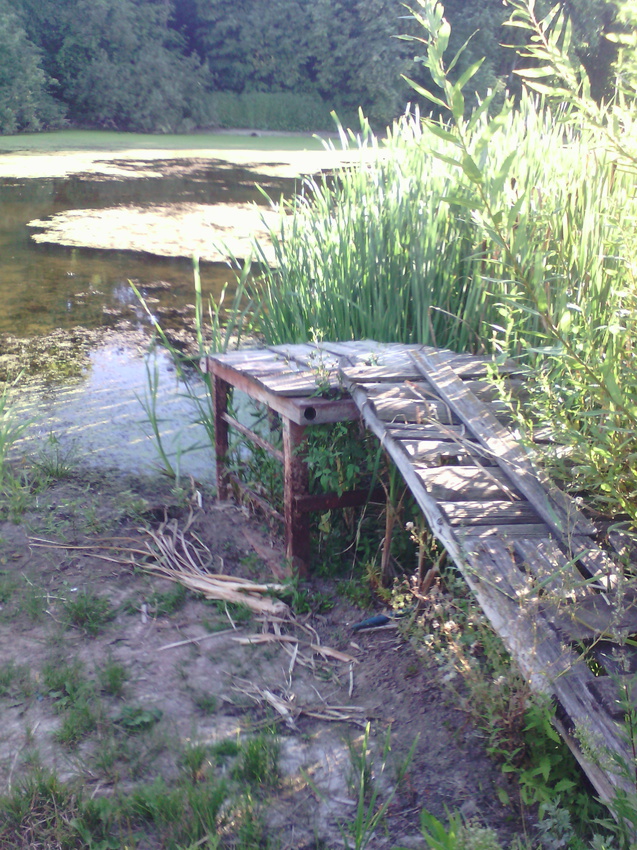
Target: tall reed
{"x": 509, "y": 229}
{"x": 392, "y": 248}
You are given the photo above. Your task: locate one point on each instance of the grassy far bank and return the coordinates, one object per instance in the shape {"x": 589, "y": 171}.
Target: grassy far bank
{"x": 90, "y": 140}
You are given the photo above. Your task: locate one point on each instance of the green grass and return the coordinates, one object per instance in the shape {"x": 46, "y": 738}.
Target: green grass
{"x": 258, "y": 763}
{"x": 15, "y": 679}
{"x": 104, "y": 140}
{"x": 88, "y": 611}
{"x": 112, "y": 677}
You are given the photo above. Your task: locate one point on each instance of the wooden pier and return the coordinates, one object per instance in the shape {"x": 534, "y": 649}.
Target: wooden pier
{"x": 559, "y": 601}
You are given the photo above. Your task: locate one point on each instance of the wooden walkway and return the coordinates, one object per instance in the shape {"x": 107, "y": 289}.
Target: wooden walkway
{"x": 555, "y": 597}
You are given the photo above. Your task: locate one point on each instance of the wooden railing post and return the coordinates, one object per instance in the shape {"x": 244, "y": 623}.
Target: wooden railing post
{"x": 221, "y": 392}
{"x": 295, "y": 484}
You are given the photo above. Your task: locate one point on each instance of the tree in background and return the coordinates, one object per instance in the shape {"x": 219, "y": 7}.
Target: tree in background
{"x": 154, "y": 64}
{"x": 119, "y": 64}
{"x": 343, "y": 50}
{"x": 25, "y": 101}
{"x": 480, "y": 26}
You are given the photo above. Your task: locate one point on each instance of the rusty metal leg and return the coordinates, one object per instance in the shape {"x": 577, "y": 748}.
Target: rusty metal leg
{"x": 221, "y": 391}
{"x": 295, "y": 482}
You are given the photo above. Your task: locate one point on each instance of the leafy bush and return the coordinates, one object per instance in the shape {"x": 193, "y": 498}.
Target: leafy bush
{"x": 272, "y": 111}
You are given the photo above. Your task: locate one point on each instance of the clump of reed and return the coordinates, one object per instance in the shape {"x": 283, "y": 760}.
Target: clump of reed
{"x": 509, "y": 229}
{"x": 393, "y": 248}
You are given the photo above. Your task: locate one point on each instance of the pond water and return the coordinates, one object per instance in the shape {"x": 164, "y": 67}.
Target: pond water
{"x": 45, "y": 288}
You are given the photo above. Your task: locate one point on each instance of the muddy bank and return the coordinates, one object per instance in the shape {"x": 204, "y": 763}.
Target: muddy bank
{"x": 184, "y": 671}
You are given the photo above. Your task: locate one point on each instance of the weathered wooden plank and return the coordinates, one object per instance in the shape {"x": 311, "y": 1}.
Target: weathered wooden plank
{"x": 596, "y": 615}
{"x": 301, "y": 383}
{"x": 244, "y": 355}
{"x": 465, "y": 483}
{"x": 339, "y": 349}
{"x": 555, "y": 573}
{"x": 307, "y": 356}
{"x": 416, "y": 412}
{"x": 616, "y": 660}
{"x": 502, "y": 593}
{"x": 595, "y": 562}
{"x": 616, "y": 693}
{"x": 302, "y": 410}
{"x": 293, "y": 350}
{"x": 428, "y": 505}
{"x": 488, "y": 513}
{"x": 440, "y": 452}
{"x": 433, "y": 431}
{"x": 394, "y": 368}
{"x": 519, "y": 531}
{"x": 370, "y": 346}
{"x": 399, "y": 390}
{"x": 551, "y": 504}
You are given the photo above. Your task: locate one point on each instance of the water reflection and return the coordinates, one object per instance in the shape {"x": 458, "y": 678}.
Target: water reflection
{"x": 102, "y": 419}
{"x": 46, "y": 290}
{"x": 43, "y": 287}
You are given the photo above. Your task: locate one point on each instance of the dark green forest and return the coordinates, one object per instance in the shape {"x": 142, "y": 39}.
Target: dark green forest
{"x": 176, "y": 65}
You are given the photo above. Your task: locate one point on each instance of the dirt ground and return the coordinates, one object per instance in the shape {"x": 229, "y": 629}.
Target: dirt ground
{"x": 211, "y": 686}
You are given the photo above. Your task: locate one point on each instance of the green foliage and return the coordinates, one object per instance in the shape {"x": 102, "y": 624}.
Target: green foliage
{"x": 184, "y": 814}
{"x": 11, "y": 429}
{"x": 464, "y": 235}
{"x": 135, "y": 719}
{"x": 41, "y": 807}
{"x": 517, "y": 725}
{"x": 370, "y": 810}
{"x": 279, "y": 110}
{"x": 341, "y": 52}
{"x": 88, "y": 611}
{"x": 169, "y": 602}
{"x": 118, "y": 64}
{"x": 457, "y": 835}
{"x": 25, "y": 100}
{"x": 54, "y": 461}
{"x": 15, "y": 679}
{"x": 258, "y": 763}
{"x": 112, "y": 677}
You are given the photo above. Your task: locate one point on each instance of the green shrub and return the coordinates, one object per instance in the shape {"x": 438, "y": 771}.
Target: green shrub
{"x": 272, "y": 111}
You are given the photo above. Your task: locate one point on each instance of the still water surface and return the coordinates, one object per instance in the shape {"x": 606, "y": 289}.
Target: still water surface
{"x": 43, "y": 287}
{"x": 47, "y": 287}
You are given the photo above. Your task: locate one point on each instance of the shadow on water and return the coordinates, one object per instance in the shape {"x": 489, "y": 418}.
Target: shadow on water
{"x": 74, "y": 301}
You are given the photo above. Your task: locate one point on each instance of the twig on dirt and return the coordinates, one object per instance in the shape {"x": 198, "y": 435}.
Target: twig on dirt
{"x": 285, "y": 706}
{"x": 327, "y": 651}
{"x": 293, "y": 658}
{"x": 265, "y": 638}
{"x": 195, "y": 639}
{"x": 185, "y": 559}
{"x": 280, "y": 706}
{"x": 232, "y": 622}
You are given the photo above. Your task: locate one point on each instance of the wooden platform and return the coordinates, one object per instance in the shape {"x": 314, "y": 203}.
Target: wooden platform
{"x": 554, "y": 596}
